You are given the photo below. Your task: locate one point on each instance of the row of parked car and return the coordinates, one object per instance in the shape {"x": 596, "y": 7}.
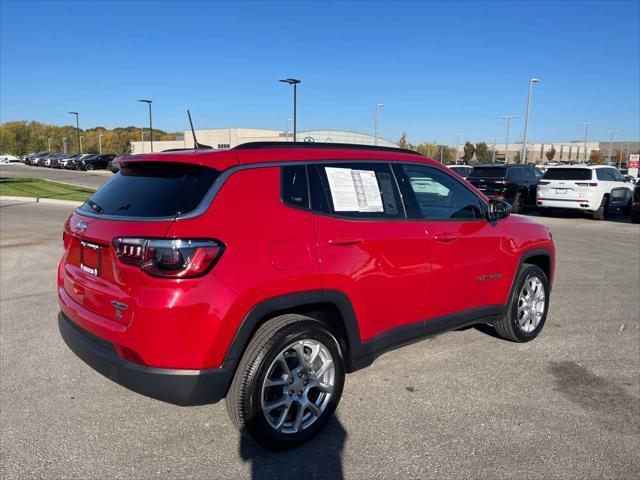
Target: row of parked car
{"x": 71, "y": 161}
{"x": 599, "y": 190}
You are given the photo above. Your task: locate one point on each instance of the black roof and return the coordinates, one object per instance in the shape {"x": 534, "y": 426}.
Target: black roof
{"x": 341, "y": 146}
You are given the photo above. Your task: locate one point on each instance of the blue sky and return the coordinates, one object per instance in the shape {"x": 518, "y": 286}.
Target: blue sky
{"x": 438, "y": 67}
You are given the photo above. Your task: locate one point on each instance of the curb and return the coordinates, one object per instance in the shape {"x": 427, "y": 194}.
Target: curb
{"x": 52, "y": 201}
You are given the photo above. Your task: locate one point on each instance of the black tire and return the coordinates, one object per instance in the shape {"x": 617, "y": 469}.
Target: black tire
{"x": 89, "y": 167}
{"x": 519, "y": 204}
{"x": 602, "y": 213}
{"x": 635, "y": 217}
{"x": 509, "y": 327}
{"x": 244, "y": 402}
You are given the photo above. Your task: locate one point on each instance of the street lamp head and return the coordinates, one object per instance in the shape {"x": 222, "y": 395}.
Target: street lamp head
{"x": 145, "y": 101}
{"x": 290, "y": 81}
{"x": 534, "y": 80}
{"x": 379, "y": 104}
{"x": 74, "y": 113}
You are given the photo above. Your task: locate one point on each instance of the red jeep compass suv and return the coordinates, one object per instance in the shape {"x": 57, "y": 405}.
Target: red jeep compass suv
{"x": 266, "y": 272}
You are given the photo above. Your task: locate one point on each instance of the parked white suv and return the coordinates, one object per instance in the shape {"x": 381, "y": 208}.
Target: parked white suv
{"x": 593, "y": 188}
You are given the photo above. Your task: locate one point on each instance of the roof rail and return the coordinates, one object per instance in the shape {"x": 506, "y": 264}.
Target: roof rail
{"x": 347, "y": 146}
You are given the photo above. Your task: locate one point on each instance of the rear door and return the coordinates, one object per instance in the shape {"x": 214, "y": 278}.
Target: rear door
{"x": 368, "y": 248}
{"x": 140, "y": 201}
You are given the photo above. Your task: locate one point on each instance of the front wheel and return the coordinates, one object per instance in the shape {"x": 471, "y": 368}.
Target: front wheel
{"x": 527, "y": 307}
{"x": 288, "y": 383}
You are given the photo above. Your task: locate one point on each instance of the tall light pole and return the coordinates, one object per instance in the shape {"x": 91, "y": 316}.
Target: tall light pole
{"x": 294, "y": 82}
{"x": 49, "y": 141}
{"x": 457, "y": 146}
{"x": 586, "y": 132}
{"x": 508, "y": 118}
{"x": 441, "y": 152}
{"x": 375, "y": 130}
{"x": 64, "y": 144}
{"x": 142, "y": 134}
{"x": 100, "y": 144}
{"x": 149, "y": 102}
{"x": 80, "y": 144}
{"x": 523, "y": 154}
{"x": 493, "y": 154}
{"x": 78, "y": 129}
{"x": 611, "y": 132}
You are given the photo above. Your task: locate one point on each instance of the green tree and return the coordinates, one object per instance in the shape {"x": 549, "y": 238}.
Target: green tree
{"x": 429, "y": 150}
{"x": 483, "y": 154}
{"x": 469, "y": 150}
{"x": 550, "y": 154}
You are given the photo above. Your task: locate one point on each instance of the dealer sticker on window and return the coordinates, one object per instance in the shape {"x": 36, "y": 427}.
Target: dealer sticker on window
{"x": 354, "y": 190}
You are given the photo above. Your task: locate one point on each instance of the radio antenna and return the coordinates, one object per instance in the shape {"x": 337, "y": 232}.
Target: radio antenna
{"x": 196, "y": 145}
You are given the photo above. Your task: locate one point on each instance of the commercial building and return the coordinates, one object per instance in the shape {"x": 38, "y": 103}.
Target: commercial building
{"x": 565, "y": 151}
{"x": 223, "y": 138}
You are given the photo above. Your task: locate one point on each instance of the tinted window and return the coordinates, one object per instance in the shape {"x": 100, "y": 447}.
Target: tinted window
{"x": 636, "y": 194}
{"x": 436, "y": 195}
{"x": 361, "y": 190}
{"x": 606, "y": 174}
{"x": 516, "y": 174}
{"x": 488, "y": 172}
{"x": 295, "y": 190}
{"x": 157, "y": 189}
{"x": 567, "y": 174}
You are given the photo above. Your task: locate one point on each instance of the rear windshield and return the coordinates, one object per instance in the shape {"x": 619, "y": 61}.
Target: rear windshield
{"x": 488, "y": 172}
{"x": 568, "y": 174}
{"x": 152, "y": 189}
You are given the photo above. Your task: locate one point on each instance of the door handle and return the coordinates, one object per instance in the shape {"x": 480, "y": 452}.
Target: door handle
{"x": 444, "y": 237}
{"x": 343, "y": 241}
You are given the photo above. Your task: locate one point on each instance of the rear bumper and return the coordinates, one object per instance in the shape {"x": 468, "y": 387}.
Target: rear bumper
{"x": 580, "y": 204}
{"x": 179, "y": 387}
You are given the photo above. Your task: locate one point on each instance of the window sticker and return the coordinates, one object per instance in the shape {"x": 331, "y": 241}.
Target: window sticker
{"x": 354, "y": 190}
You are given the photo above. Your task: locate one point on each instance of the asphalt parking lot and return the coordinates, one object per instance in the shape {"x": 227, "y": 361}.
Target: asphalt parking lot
{"x": 93, "y": 179}
{"x": 460, "y": 405}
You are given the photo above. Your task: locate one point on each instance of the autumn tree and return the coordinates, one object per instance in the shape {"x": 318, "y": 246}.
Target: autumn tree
{"x": 550, "y": 154}
{"x": 596, "y": 157}
{"x": 403, "y": 143}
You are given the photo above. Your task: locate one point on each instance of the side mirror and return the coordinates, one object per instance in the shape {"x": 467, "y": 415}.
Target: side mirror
{"x": 498, "y": 210}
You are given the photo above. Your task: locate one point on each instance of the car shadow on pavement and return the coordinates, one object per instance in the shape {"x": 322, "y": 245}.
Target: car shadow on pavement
{"x": 321, "y": 457}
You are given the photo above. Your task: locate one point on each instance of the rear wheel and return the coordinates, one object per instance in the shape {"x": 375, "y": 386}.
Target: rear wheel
{"x": 88, "y": 167}
{"x": 602, "y": 213}
{"x": 527, "y": 308}
{"x": 288, "y": 383}
{"x": 519, "y": 204}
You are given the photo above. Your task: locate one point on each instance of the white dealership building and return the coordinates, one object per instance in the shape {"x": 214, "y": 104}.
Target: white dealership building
{"x": 223, "y": 138}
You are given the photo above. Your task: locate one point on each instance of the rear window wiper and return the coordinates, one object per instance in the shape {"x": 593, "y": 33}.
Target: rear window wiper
{"x": 94, "y": 206}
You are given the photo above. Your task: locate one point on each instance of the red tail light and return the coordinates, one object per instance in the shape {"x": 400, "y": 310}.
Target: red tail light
{"x": 172, "y": 258}
{"x": 586, "y": 184}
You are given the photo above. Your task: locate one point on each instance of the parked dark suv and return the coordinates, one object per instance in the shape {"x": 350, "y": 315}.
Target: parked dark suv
{"x": 264, "y": 273}
{"x": 515, "y": 184}
{"x": 95, "y": 162}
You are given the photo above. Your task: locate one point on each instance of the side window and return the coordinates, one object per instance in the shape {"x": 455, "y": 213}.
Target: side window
{"x": 433, "y": 194}
{"x": 294, "y": 187}
{"x": 617, "y": 175}
{"x": 515, "y": 174}
{"x": 355, "y": 189}
{"x": 602, "y": 174}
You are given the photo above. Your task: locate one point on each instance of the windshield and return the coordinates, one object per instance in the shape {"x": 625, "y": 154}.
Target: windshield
{"x": 567, "y": 174}
{"x": 152, "y": 189}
